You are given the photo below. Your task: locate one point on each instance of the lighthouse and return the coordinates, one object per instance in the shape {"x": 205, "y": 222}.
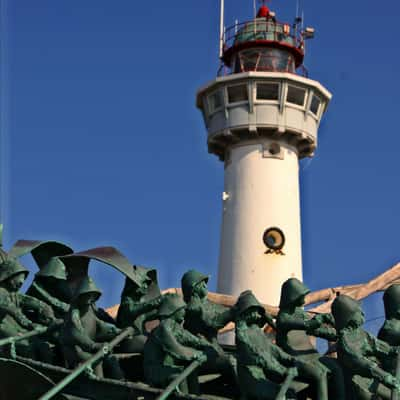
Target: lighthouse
{"x": 262, "y": 114}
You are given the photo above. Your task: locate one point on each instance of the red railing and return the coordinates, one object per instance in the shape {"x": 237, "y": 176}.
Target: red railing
{"x": 262, "y": 29}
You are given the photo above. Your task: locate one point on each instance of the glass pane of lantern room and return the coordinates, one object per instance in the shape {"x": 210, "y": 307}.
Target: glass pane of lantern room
{"x": 249, "y": 60}
{"x": 215, "y": 100}
{"x": 296, "y": 95}
{"x": 267, "y": 91}
{"x": 315, "y": 103}
{"x": 237, "y": 93}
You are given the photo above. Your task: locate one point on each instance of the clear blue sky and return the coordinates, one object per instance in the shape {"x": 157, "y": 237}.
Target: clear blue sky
{"x": 104, "y": 145}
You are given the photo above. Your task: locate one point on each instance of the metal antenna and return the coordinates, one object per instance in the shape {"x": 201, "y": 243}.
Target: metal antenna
{"x": 4, "y": 166}
{"x": 302, "y": 31}
{"x": 222, "y": 29}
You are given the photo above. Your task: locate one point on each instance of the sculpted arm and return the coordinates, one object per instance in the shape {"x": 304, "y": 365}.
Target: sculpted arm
{"x": 221, "y": 316}
{"x": 327, "y": 333}
{"x": 358, "y": 362}
{"x": 45, "y": 312}
{"x": 382, "y": 348}
{"x": 288, "y": 322}
{"x": 171, "y": 345}
{"x": 130, "y": 310}
{"x": 56, "y": 303}
{"x": 283, "y": 357}
{"x": 105, "y": 330}
{"x": 188, "y": 339}
{"x": 80, "y": 337}
{"x": 265, "y": 356}
{"x": 390, "y": 334}
{"x": 7, "y": 308}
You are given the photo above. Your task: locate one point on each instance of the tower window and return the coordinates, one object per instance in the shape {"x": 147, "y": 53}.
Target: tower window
{"x": 267, "y": 91}
{"x": 315, "y": 104}
{"x": 215, "y": 101}
{"x": 237, "y": 93}
{"x": 296, "y": 95}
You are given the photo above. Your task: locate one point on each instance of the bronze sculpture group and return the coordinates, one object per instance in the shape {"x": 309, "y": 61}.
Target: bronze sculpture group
{"x": 281, "y": 363}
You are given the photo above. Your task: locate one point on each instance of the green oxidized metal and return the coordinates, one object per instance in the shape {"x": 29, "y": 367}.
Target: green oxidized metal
{"x": 263, "y": 368}
{"x": 248, "y": 302}
{"x": 294, "y": 328}
{"x": 171, "y": 348}
{"x": 292, "y": 290}
{"x": 170, "y": 305}
{"x": 360, "y": 353}
{"x": 202, "y": 316}
{"x": 87, "y": 286}
{"x": 182, "y": 352}
{"x": 50, "y": 285}
{"x": 54, "y": 268}
{"x": 42, "y": 251}
{"x": 11, "y": 267}
{"x": 83, "y": 332}
{"x": 390, "y": 330}
{"x": 189, "y": 280}
{"x": 140, "y": 300}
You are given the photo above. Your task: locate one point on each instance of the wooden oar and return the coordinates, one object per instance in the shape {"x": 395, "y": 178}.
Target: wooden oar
{"x": 36, "y": 332}
{"x": 18, "y": 338}
{"x": 177, "y": 381}
{"x": 286, "y": 385}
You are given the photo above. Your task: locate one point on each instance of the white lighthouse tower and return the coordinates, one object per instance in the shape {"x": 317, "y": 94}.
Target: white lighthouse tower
{"x": 262, "y": 114}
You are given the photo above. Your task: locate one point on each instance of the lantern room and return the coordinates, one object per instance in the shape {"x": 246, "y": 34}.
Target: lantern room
{"x": 264, "y": 44}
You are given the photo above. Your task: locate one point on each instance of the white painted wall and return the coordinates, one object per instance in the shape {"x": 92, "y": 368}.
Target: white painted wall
{"x": 263, "y": 192}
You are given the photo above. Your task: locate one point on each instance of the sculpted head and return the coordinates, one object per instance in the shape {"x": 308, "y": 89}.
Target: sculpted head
{"x": 391, "y": 301}
{"x": 87, "y": 293}
{"x": 194, "y": 283}
{"x": 14, "y": 283}
{"x": 12, "y": 274}
{"x": 249, "y": 310}
{"x": 293, "y": 294}
{"x": 172, "y": 307}
{"x": 347, "y": 313}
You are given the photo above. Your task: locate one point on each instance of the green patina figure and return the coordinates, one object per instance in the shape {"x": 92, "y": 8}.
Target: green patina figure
{"x": 204, "y": 318}
{"x": 84, "y": 333}
{"x": 360, "y": 352}
{"x": 171, "y": 347}
{"x": 50, "y": 282}
{"x": 293, "y": 329}
{"x": 262, "y": 366}
{"x": 17, "y": 311}
{"x": 140, "y": 300}
{"x": 50, "y": 286}
{"x": 390, "y": 330}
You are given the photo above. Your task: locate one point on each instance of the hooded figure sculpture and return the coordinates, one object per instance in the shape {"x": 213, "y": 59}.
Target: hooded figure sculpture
{"x": 140, "y": 300}
{"x": 50, "y": 286}
{"x": 171, "y": 348}
{"x": 17, "y": 310}
{"x": 359, "y": 352}
{"x": 50, "y": 282}
{"x": 293, "y": 327}
{"x": 84, "y": 333}
{"x": 262, "y": 366}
